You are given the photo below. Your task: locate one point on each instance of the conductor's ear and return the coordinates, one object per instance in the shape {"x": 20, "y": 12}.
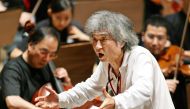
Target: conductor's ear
{"x": 121, "y": 44}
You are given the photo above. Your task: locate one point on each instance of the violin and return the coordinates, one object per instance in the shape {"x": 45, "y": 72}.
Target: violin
{"x": 172, "y": 60}
{"x": 168, "y": 61}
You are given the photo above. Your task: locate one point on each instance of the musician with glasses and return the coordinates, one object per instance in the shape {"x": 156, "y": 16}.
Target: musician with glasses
{"x": 24, "y": 75}
{"x": 129, "y": 72}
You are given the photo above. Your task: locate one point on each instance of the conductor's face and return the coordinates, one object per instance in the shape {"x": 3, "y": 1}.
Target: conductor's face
{"x": 106, "y": 48}
{"x": 41, "y": 53}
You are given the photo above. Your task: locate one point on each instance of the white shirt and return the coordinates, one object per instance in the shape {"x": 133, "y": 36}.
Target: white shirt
{"x": 142, "y": 84}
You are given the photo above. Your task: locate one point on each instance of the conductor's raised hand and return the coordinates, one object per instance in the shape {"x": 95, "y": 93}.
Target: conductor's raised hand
{"x": 48, "y": 102}
{"x": 109, "y": 102}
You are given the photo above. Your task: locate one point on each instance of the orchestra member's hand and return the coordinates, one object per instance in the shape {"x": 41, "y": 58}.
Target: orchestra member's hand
{"x": 26, "y": 16}
{"x": 109, "y": 102}
{"x": 48, "y": 102}
{"x": 187, "y": 54}
{"x": 168, "y": 43}
{"x": 172, "y": 84}
{"x": 78, "y": 34}
{"x": 62, "y": 74}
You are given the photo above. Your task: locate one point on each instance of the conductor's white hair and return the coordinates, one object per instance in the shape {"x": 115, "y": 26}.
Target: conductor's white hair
{"x": 117, "y": 25}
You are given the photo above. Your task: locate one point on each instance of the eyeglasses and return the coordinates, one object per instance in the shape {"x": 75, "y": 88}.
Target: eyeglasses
{"x": 104, "y": 38}
{"x": 46, "y": 52}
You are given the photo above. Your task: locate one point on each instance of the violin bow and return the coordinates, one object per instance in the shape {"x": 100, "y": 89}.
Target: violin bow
{"x": 182, "y": 42}
{"x": 36, "y": 7}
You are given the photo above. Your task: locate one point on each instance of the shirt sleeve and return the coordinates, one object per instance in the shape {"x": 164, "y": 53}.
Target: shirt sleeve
{"x": 84, "y": 91}
{"x": 141, "y": 88}
{"x": 10, "y": 81}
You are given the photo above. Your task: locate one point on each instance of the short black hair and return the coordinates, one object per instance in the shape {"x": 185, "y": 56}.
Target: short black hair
{"x": 158, "y": 21}
{"x": 38, "y": 34}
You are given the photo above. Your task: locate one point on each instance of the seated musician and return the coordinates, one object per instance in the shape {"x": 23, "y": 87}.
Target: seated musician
{"x": 61, "y": 18}
{"x": 24, "y": 75}
{"x": 155, "y": 37}
{"x": 127, "y": 77}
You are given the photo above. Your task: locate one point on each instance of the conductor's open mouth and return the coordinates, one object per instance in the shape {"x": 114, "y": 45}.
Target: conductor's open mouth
{"x": 100, "y": 55}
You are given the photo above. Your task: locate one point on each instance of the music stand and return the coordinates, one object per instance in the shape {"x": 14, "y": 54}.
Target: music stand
{"x": 78, "y": 59}
{"x": 9, "y": 21}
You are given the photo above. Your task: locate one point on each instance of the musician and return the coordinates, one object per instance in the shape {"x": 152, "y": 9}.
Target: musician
{"x": 23, "y": 76}
{"x": 175, "y": 12}
{"x": 30, "y": 12}
{"x": 155, "y": 38}
{"x": 127, "y": 76}
{"x": 61, "y": 18}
